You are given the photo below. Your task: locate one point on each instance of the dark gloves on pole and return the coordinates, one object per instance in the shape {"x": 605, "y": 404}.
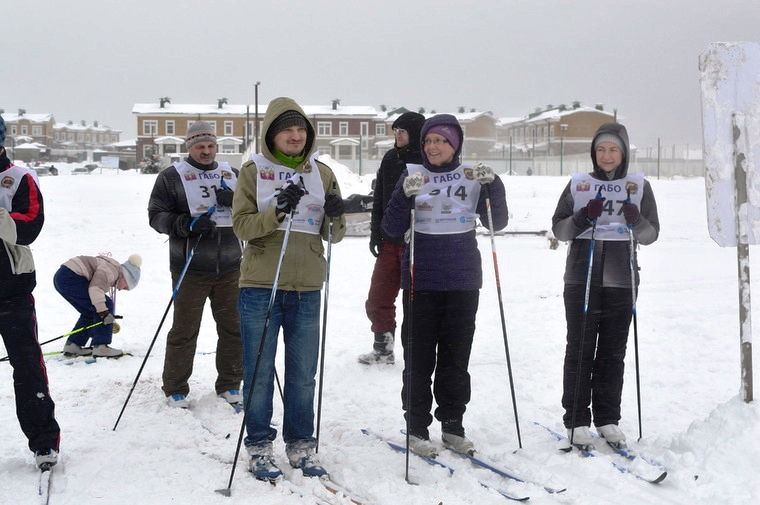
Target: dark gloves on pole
{"x": 224, "y": 197}
{"x": 202, "y": 226}
{"x": 631, "y": 213}
{"x": 106, "y": 316}
{"x": 594, "y": 208}
{"x": 288, "y": 198}
{"x": 333, "y": 205}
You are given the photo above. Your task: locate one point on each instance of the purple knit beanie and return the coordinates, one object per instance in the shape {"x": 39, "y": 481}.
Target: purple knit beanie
{"x": 447, "y": 132}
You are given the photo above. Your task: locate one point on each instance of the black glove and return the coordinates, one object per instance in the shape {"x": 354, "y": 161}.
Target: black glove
{"x": 106, "y": 316}
{"x": 333, "y": 205}
{"x": 181, "y": 226}
{"x": 375, "y": 244}
{"x": 224, "y": 197}
{"x": 202, "y": 226}
{"x": 288, "y": 198}
{"x": 631, "y": 213}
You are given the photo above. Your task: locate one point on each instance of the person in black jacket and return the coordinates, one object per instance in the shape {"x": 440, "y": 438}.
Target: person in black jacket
{"x": 21, "y": 218}
{"x": 192, "y": 203}
{"x": 386, "y": 276}
{"x": 604, "y": 206}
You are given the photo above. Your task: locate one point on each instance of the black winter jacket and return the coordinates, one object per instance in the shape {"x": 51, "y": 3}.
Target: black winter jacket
{"x": 611, "y": 258}
{"x": 393, "y": 165}
{"x": 217, "y": 253}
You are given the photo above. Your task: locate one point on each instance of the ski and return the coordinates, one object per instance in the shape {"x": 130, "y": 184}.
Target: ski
{"x": 628, "y": 462}
{"x": 43, "y": 486}
{"x": 504, "y": 472}
{"x": 434, "y": 462}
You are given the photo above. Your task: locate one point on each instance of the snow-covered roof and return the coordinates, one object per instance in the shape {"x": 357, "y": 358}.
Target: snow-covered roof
{"x": 28, "y": 147}
{"x": 236, "y": 109}
{"x": 462, "y": 117}
{"x": 125, "y": 143}
{"x": 34, "y": 118}
{"x": 229, "y": 140}
{"x": 85, "y": 127}
{"x": 169, "y": 140}
{"x": 503, "y": 121}
{"x": 554, "y": 114}
{"x": 344, "y": 141}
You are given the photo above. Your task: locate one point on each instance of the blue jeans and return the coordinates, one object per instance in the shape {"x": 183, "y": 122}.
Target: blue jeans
{"x": 74, "y": 288}
{"x": 298, "y": 315}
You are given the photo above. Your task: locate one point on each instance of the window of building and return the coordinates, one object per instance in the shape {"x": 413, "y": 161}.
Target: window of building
{"x": 13, "y": 129}
{"x": 150, "y": 127}
{"x": 228, "y": 148}
{"x": 324, "y": 129}
{"x": 343, "y": 128}
{"x": 380, "y": 129}
{"x": 228, "y": 129}
{"x": 190, "y": 123}
{"x": 37, "y": 131}
{"x": 170, "y": 127}
{"x": 24, "y": 129}
{"x": 147, "y": 150}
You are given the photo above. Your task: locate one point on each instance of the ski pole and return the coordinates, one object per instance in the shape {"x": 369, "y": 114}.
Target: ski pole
{"x": 410, "y": 335}
{"x": 591, "y": 245}
{"x": 501, "y": 311}
{"x": 324, "y": 331}
{"x": 632, "y": 262}
{"x": 72, "y": 332}
{"x": 209, "y": 212}
{"x": 228, "y": 490}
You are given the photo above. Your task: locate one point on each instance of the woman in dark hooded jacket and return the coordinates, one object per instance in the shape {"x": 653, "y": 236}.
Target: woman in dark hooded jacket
{"x": 597, "y": 212}
{"x": 447, "y": 198}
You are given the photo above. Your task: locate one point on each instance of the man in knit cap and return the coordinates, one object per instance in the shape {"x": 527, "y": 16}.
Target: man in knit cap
{"x": 84, "y": 282}
{"x": 192, "y": 203}
{"x": 386, "y": 276}
{"x": 284, "y": 188}
{"x": 21, "y": 218}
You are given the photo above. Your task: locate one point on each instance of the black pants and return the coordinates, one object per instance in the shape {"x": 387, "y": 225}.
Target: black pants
{"x": 34, "y": 407}
{"x": 440, "y": 341}
{"x": 603, "y": 356}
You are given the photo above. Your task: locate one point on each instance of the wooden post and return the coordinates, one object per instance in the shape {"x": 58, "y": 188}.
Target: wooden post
{"x": 742, "y": 254}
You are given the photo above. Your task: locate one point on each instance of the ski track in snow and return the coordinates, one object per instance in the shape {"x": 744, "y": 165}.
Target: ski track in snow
{"x": 694, "y": 422}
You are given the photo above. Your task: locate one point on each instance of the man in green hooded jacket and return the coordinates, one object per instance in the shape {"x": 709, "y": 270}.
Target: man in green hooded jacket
{"x": 284, "y": 188}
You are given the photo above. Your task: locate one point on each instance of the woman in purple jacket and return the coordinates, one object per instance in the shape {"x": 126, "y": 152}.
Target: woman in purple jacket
{"x": 447, "y": 197}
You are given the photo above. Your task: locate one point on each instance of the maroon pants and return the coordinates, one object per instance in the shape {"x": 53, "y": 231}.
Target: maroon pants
{"x": 384, "y": 288}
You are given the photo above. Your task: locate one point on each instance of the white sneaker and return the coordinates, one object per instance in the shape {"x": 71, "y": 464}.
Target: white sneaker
{"x": 422, "y": 447}
{"x": 178, "y": 401}
{"x": 612, "y": 434}
{"x": 45, "y": 458}
{"x": 72, "y": 349}
{"x": 231, "y": 396}
{"x": 458, "y": 444}
{"x": 103, "y": 351}
{"x": 581, "y": 437}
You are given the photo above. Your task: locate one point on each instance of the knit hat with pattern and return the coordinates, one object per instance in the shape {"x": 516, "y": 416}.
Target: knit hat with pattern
{"x": 200, "y": 131}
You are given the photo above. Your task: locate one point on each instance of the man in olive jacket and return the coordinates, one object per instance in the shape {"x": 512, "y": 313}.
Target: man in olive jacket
{"x": 284, "y": 183}
{"x": 180, "y": 204}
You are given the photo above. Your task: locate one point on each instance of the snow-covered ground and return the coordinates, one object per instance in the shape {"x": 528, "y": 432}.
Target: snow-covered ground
{"x": 693, "y": 419}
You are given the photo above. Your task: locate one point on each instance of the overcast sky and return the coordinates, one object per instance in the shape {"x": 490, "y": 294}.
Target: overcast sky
{"x": 93, "y": 59}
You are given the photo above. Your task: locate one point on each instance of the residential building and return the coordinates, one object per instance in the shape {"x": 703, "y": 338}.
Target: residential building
{"x": 553, "y": 130}
{"x": 344, "y": 132}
